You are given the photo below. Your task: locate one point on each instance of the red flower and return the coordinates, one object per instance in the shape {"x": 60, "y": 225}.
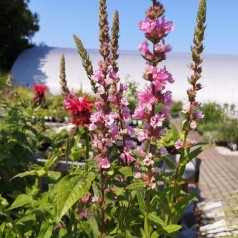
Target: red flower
{"x": 81, "y": 109}
{"x": 40, "y": 91}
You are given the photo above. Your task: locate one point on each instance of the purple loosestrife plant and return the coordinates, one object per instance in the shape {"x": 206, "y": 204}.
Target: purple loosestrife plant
{"x": 130, "y": 189}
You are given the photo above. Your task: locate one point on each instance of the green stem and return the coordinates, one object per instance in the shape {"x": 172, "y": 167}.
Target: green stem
{"x": 87, "y": 143}
{"x": 147, "y": 222}
{"x": 87, "y": 148}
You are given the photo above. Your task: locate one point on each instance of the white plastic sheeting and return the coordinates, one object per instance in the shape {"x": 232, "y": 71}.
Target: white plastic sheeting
{"x": 219, "y": 77}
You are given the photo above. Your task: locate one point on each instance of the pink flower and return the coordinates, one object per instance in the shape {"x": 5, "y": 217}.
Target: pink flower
{"x": 142, "y": 135}
{"x": 148, "y": 25}
{"x": 140, "y": 114}
{"x": 130, "y": 130}
{"x": 146, "y": 98}
{"x": 86, "y": 198}
{"x": 84, "y": 213}
{"x": 156, "y": 29}
{"x": 185, "y": 110}
{"x": 193, "y": 125}
{"x": 126, "y": 114}
{"x": 104, "y": 163}
{"x": 161, "y": 48}
{"x": 160, "y": 78}
{"x": 198, "y": 113}
{"x": 138, "y": 175}
{"x": 113, "y": 74}
{"x": 192, "y": 142}
{"x": 126, "y": 156}
{"x": 124, "y": 101}
{"x": 165, "y": 26}
{"x": 148, "y": 160}
{"x": 156, "y": 120}
{"x": 109, "y": 119}
{"x": 95, "y": 199}
{"x": 144, "y": 47}
{"x": 98, "y": 76}
{"x": 178, "y": 144}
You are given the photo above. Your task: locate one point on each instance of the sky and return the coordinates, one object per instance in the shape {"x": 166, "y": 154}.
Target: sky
{"x": 60, "y": 19}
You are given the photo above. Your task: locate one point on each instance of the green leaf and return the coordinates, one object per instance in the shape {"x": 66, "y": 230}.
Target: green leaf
{"x": 154, "y": 203}
{"x": 138, "y": 186}
{"x": 175, "y": 133}
{"x": 46, "y": 230}
{"x": 54, "y": 175}
{"x": 169, "y": 162}
{"x": 68, "y": 191}
{"x": 155, "y": 234}
{"x": 153, "y": 217}
{"x": 141, "y": 201}
{"x": 37, "y": 172}
{"x": 20, "y": 201}
{"x": 196, "y": 152}
{"x": 172, "y": 228}
{"x": 127, "y": 171}
{"x": 51, "y": 161}
{"x": 4, "y": 156}
{"x": 94, "y": 226}
{"x": 182, "y": 203}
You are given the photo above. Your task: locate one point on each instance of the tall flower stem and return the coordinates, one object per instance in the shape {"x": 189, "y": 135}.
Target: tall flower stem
{"x": 197, "y": 49}
{"x": 102, "y": 206}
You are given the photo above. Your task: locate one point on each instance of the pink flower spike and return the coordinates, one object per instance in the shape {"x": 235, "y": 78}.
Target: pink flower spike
{"x": 178, "y": 144}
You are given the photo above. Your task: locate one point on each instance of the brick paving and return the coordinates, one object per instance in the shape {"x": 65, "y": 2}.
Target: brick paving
{"x": 219, "y": 181}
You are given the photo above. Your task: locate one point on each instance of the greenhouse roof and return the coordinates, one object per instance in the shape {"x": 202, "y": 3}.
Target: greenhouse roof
{"x": 42, "y": 64}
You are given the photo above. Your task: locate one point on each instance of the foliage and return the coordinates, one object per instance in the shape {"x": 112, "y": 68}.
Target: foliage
{"x": 218, "y": 125}
{"x": 17, "y": 25}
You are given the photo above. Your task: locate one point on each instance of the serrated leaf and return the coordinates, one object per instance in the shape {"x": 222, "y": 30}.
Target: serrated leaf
{"x": 68, "y": 191}
{"x": 127, "y": 171}
{"x": 153, "y": 217}
{"x": 20, "y": 201}
{"x": 138, "y": 186}
{"x": 172, "y": 228}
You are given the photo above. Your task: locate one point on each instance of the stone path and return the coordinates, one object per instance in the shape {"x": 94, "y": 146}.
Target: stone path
{"x": 219, "y": 182}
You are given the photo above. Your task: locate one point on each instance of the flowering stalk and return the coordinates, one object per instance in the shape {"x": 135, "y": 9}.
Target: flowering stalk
{"x": 192, "y": 112}
{"x": 114, "y": 42}
{"x": 64, "y": 88}
{"x": 86, "y": 62}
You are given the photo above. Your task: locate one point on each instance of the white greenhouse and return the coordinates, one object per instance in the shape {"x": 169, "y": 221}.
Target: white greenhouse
{"x": 219, "y": 77}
